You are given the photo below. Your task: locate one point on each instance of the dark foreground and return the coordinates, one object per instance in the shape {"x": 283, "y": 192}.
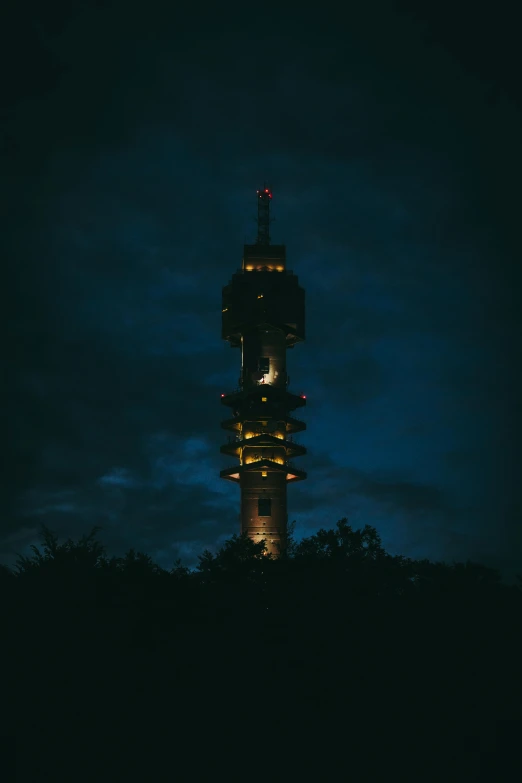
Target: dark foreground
{"x": 335, "y": 662}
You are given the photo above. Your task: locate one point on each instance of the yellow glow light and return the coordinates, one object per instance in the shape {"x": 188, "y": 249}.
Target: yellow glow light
{"x": 264, "y": 473}
{"x": 260, "y": 296}
{"x": 264, "y": 399}
{"x": 224, "y": 309}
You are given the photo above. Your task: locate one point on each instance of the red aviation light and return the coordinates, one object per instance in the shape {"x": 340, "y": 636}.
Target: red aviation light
{"x": 222, "y": 395}
{"x": 303, "y": 396}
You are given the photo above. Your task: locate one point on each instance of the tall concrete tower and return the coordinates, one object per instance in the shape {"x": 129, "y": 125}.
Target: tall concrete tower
{"x": 263, "y": 314}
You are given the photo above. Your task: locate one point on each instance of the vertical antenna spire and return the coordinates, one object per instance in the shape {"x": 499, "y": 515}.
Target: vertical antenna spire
{"x": 264, "y": 197}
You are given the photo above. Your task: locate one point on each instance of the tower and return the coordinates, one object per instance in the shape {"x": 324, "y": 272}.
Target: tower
{"x": 264, "y": 315}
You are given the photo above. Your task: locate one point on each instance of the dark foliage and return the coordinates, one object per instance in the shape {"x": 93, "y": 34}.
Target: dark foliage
{"x": 335, "y": 659}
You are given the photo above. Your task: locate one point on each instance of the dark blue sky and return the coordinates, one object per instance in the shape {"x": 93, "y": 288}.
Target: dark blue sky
{"x": 134, "y": 140}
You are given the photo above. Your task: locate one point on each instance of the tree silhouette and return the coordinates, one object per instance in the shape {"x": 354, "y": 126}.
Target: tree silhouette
{"x": 336, "y": 636}
{"x": 342, "y": 542}
{"x": 67, "y": 558}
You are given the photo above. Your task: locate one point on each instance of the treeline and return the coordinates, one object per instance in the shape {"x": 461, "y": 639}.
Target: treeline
{"x": 335, "y": 654}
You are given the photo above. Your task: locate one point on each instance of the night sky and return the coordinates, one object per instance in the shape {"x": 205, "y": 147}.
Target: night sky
{"x": 134, "y": 139}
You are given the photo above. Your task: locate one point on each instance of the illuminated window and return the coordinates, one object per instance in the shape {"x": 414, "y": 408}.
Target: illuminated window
{"x": 263, "y": 399}
{"x": 264, "y": 507}
{"x": 264, "y": 474}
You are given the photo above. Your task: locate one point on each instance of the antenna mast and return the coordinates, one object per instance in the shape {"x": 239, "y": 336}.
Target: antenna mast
{"x": 264, "y": 197}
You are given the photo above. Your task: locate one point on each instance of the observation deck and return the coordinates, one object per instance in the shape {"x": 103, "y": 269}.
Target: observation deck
{"x": 235, "y": 472}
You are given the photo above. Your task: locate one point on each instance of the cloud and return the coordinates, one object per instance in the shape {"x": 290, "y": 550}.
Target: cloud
{"x": 117, "y": 477}
{"x": 402, "y": 495}
{"x": 128, "y": 195}
{"x": 384, "y": 487}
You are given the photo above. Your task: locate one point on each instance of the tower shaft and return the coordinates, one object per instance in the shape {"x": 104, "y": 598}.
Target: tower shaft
{"x": 263, "y": 314}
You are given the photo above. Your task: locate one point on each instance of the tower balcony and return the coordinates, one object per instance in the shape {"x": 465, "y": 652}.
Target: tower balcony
{"x": 232, "y": 424}
{"x": 292, "y": 474}
{"x": 292, "y": 423}
{"x": 264, "y": 440}
{"x": 264, "y": 393}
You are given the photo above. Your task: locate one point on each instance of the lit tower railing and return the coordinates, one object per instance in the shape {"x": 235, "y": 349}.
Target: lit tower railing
{"x": 263, "y": 314}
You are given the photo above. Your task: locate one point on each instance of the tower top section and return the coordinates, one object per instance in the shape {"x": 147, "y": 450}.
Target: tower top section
{"x": 264, "y": 197}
